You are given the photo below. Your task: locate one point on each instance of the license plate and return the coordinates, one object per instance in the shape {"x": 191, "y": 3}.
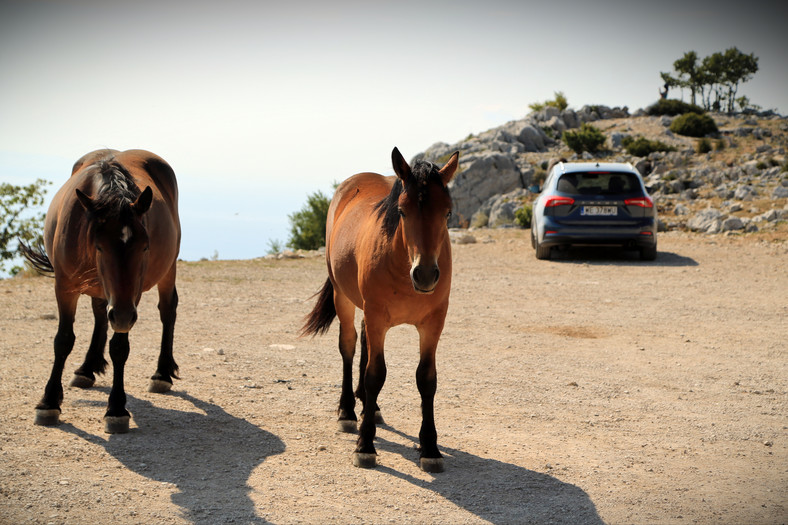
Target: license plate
{"x": 599, "y": 210}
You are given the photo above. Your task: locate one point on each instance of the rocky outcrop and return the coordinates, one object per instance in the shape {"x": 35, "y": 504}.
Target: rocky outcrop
{"x": 742, "y": 185}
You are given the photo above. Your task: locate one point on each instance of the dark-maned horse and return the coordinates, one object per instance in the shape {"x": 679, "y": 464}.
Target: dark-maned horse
{"x": 112, "y": 232}
{"x": 388, "y": 253}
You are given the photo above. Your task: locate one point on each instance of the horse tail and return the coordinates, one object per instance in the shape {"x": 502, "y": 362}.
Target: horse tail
{"x": 320, "y": 318}
{"x": 38, "y": 259}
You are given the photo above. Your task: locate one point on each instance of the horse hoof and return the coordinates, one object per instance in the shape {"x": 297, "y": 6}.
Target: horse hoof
{"x": 363, "y": 460}
{"x": 47, "y": 417}
{"x": 80, "y": 381}
{"x": 379, "y": 418}
{"x": 431, "y": 465}
{"x": 116, "y": 424}
{"x": 347, "y": 425}
{"x": 157, "y": 386}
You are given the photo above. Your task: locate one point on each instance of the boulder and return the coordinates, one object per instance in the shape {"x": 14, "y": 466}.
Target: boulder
{"x": 708, "y": 221}
{"x": 503, "y": 207}
{"x": 745, "y": 193}
{"x": 479, "y": 178}
{"x": 732, "y": 224}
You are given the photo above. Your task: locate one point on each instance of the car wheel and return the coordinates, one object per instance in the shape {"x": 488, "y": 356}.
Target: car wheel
{"x": 648, "y": 253}
{"x": 542, "y": 252}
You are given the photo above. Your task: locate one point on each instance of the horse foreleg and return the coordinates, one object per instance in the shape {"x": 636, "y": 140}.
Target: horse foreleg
{"x": 84, "y": 376}
{"x": 374, "y": 377}
{"x": 427, "y": 382}
{"x": 346, "y": 414}
{"x": 166, "y": 369}
{"x": 116, "y": 420}
{"x": 362, "y": 367}
{"x": 48, "y": 409}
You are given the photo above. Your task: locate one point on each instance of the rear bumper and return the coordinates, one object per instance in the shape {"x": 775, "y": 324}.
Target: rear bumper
{"x": 639, "y": 235}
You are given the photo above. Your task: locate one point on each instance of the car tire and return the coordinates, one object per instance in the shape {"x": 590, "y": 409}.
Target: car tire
{"x": 542, "y": 252}
{"x": 648, "y": 253}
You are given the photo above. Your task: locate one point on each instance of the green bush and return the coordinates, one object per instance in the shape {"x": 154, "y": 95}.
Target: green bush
{"x": 643, "y": 147}
{"x": 308, "y": 226}
{"x": 693, "y": 125}
{"x": 672, "y": 107}
{"x": 704, "y": 146}
{"x": 719, "y": 144}
{"x": 559, "y": 102}
{"x": 587, "y": 138}
{"x": 523, "y": 216}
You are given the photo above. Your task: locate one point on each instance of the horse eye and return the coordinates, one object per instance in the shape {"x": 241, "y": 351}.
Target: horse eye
{"x": 448, "y": 216}
{"x": 401, "y": 213}
{"x": 147, "y": 246}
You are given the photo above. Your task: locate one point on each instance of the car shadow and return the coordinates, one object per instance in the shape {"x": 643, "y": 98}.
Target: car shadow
{"x": 207, "y": 454}
{"x": 496, "y": 491}
{"x": 602, "y": 255}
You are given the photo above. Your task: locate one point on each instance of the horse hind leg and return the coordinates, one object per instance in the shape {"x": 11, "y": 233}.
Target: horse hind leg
{"x": 365, "y": 455}
{"x": 362, "y": 367}
{"x": 167, "y": 368}
{"x": 85, "y": 375}
{"x": 346, "y": 411}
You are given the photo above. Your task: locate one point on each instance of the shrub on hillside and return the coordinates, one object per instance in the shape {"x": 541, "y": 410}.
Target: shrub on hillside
{"x": 523, "y": 216}
{"x": 693, "y": 125}
{"x": 672, "y": 107}
{"x": 643, "y": 147}
{"x": 704, "y": 146}
{"x": 587, "y": 138}
{"x": 559, "y": 102}
{"x": 308, "y": 226}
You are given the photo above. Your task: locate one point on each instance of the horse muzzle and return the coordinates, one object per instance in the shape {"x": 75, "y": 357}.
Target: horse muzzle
{"x": 425, "y": 277}
{"x": 121, "y": 319}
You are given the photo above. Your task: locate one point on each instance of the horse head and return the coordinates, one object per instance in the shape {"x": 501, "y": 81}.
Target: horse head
{"x": 120, "y": 239}
{"x": 424, "y": 207}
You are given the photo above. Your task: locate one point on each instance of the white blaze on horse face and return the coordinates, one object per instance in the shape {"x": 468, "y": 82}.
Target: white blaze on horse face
{"x": 125, "y": 234}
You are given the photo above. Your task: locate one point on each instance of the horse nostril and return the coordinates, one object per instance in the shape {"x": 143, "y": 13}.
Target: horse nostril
{"x": 134, "y": 317}
{"x": 437, "y": 274}
{"x": 111, "y": 315}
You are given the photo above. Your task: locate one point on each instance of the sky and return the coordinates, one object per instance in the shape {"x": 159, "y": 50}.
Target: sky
{"x": 258, "y": 104}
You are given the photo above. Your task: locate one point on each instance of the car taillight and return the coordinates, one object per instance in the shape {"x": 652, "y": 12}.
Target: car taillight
{"x": 643, "y": 202}
{"x": 555, "y": 200}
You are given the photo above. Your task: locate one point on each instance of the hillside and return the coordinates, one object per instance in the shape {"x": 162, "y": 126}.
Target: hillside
{"x": 739, "y": 186}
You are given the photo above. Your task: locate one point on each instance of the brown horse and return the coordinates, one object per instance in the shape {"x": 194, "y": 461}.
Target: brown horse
{"x": 110, "y": 240}
{"x": 388, "y": 253}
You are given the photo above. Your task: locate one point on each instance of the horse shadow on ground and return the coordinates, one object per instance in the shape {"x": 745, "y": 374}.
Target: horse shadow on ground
{"x": 611, "y": 255}
{"x": 498, "y": 492}
{"x": 208, "y": 455}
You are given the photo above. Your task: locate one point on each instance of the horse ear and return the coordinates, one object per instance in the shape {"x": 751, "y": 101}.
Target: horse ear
{"x": 401, "y": 167}
{"x": 447, "y": 171}
{"x": 85, "y": 201}
{"x": 143, "y": 202}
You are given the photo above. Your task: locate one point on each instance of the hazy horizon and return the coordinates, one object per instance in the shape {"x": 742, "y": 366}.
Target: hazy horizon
{"x": 257, "y": 105}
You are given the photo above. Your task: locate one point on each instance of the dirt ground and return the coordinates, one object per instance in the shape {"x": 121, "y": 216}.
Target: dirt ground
{"x": 594, "y": 388}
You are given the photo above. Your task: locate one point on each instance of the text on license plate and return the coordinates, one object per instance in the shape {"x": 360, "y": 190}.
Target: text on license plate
{"x": 599, "y": 210}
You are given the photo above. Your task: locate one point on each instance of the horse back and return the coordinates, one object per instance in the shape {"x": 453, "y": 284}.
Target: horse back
{"x": 65, "y": 225}
{"x": 352, "y": 218}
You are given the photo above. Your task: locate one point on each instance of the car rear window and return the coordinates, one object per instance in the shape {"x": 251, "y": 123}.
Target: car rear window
{"x": 598, "y": 183}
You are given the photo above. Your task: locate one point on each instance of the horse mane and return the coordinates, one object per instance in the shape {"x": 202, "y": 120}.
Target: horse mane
{"x": 422, "y": 174}
{"x": 117, "y": 190}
